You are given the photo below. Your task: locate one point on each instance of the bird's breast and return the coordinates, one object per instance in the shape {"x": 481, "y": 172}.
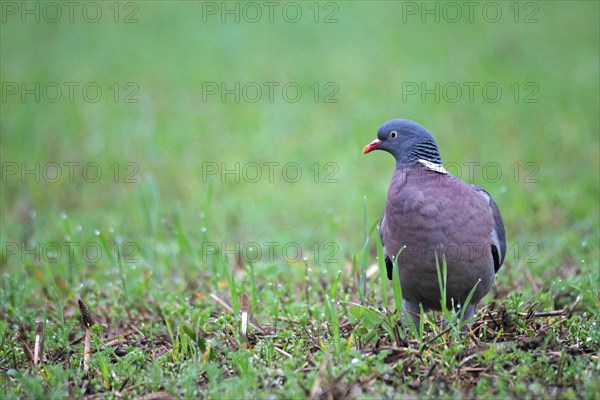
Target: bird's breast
{"x": 429, "y": 214}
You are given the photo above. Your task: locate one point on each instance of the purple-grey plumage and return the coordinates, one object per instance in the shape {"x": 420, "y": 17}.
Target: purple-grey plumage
{"x": 429, "y": 215}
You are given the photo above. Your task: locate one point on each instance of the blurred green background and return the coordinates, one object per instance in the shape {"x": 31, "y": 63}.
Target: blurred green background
{"x": 366, "y": 55}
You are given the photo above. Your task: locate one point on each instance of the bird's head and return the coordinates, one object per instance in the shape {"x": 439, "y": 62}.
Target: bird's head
{"x": 407, "y": 141}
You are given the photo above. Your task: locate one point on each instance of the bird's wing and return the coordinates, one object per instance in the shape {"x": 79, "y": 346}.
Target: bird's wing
{"x": 498, "y": 233}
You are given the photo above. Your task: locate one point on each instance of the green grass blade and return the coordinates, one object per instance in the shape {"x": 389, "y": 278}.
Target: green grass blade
{"x": 382, "y": 270}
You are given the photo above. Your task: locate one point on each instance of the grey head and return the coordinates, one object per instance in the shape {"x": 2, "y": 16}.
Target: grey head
{"x": 407, "y": 141}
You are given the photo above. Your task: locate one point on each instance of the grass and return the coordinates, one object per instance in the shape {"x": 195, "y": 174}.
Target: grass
{"x": 162, "y": 248}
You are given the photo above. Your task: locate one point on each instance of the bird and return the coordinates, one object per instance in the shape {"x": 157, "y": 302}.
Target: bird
{"x": 431, "y": 217}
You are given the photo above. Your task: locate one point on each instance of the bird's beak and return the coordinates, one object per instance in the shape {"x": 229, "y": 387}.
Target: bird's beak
{"x": 372, "y": 146}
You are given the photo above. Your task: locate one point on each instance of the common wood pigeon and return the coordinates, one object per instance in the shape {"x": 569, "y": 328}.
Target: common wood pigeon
{"x": 431, "y": 214}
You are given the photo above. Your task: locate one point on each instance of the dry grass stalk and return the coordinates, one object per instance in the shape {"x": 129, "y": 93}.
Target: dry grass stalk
{"x": 245, "y": 313}
{"x": 87, "y": 323}
{"x": 23, "y": 338}
{"x": 38, "y": 343}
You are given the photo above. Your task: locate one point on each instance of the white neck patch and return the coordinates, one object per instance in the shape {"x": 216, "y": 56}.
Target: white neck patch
{"x": 439, "y": 168}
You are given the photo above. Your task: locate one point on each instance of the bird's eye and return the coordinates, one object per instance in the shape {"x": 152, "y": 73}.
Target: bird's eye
{"x": 393, "y": 134}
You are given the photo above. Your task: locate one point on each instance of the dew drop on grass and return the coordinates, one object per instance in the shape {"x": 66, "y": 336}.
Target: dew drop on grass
{"x": 111, "y": 229}
{"x": 96, "y": 232}
{"x": 63, "y": 216}
{"x": 355, "y": 361}
{"x": 78, "y": 228}
{"x": 67, "y": 238}
{"x": 203, "y": 229}
{"x": 583, "y": 243}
